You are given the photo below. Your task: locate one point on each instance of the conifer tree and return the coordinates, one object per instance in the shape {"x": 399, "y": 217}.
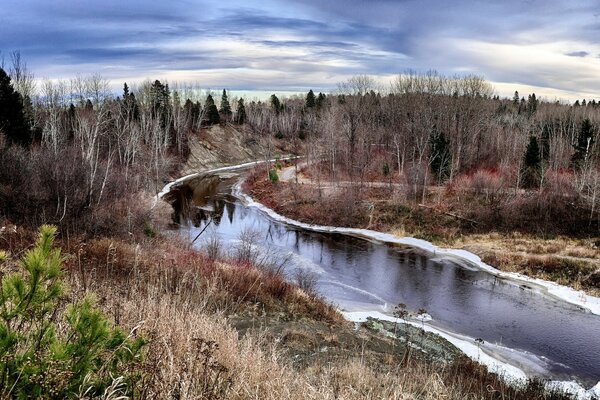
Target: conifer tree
{"x": 12, "y": 114}
{"x": 532, "y": 164}
{"x": 225, "y": 109}
{"x": 275, "y": 104}
{"x": 49, "y": 350}
{"x": 240, "y": 117}
{"x": 320, "y": 100}
{"x": 440, "y": 156}
{"x": 310, "y": 99}
{"x": 532, "y": 103}
{"x": 211, "y": 112}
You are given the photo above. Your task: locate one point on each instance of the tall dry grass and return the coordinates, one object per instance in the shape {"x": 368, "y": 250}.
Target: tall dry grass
{"x": 181, "y": 300}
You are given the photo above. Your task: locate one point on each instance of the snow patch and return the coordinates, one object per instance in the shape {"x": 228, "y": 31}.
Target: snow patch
{"x": 170, "y": 185}
{"x": 468, "y": 347}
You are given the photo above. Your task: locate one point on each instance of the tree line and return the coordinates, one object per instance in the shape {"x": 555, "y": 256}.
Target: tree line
{"x": 422, "y": 130}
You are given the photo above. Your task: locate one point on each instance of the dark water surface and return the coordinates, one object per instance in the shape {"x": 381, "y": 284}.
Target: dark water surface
{"x": 359, "y": 275}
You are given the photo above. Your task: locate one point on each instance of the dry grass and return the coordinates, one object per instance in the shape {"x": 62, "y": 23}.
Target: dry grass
{"x": 309, "y": 204}
{"x": 567, "y": 261}
{"x": 182, "y": 302}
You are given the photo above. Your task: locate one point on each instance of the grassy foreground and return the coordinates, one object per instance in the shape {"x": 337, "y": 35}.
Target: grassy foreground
{"x": 217, "y": 329}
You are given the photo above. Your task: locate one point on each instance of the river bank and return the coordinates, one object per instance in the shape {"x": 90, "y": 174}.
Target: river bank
{"x": 308, "y": 343}
{"x": 549, "y": 288}
{"x": 567, "y": 261}
{"x": 224, "y": 169}
{"x": 329, "y": 359}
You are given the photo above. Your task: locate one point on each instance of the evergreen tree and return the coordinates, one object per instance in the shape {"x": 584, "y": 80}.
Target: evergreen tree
{"x": 71, "y": 121}
{"x": 225, "y": 109}
{"x": 320, "y": 100}
{"x": 516, "y": 98}
{"x": 240, "y": 117}
{"x": 310, "y": 99}
{"x": 585, "y": 139}
{"x": 129, "y": 104}
{"x": 532, "y": 164}
{"x": 125, "y": 91}
{"x": 275, "y": 104}
{"x": 49, "y": 350}
{"x": 160, "y": 102}
{"x": 13, "y": 122}
{"x": 211, "y": 113}
{"x": 439, "y": 158}
{"x": 545, "y": 143}
{"x": 532, "y": 103}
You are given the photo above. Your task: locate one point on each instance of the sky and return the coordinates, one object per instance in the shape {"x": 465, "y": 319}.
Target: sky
{"x": 549, "y": 47}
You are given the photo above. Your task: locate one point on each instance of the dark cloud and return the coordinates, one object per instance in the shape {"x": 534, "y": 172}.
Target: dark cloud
{"x": 578, "y": 54}
{"x": 296, "y": 40}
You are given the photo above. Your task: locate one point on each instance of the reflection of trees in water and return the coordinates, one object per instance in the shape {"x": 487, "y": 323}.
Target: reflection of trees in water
{"x": 198, "y": 202}
{"x": 181, "y": 201}
{"x": 230, "y": 206}
{"x": 200, "y": 216}
{"x": 213, "y": 211}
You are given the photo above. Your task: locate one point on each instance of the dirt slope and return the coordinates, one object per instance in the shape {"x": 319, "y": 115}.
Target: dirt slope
{"x": 221, "y": 145}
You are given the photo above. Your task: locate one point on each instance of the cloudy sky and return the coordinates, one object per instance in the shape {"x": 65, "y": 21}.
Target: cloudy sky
{"x": 551, "y": 47}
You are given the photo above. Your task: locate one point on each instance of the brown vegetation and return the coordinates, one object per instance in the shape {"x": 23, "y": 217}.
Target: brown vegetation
{"x": 460, "y": 215}
{"x": 185, "y": 304}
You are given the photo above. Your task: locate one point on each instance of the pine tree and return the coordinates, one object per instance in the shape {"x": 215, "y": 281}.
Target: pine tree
{"x": 275, "y": 104}
{"x": 129, "y": 104}
{"x": 320, "y": 100}
{"x": 225, "y": 109}
{"x": 585, "y": 139}
{"x": 240, "y": 117}
{"x": 160, "y": 98}
{"x": 211, "y": 112}
{"x": 516, "y": 98}
{"x": 440, "y": 156}
{"x": 12, "y": 114}
{"x": 532, "y": 104}
{"x": 532, "y": 164}
{"x": 310, "y": 99}
{"x": 125, "y": 91}
{"x": 49, "y": 350}
{"x": 545, "y": 143}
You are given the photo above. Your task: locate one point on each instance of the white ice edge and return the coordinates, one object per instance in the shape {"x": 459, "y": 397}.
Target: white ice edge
{"x": 508, "y": 372}
{"x": 554, "y": 290}
{"x": 469, "y": 348}
{"x": 564, "y": 293}
{"x": 170, "y": 185}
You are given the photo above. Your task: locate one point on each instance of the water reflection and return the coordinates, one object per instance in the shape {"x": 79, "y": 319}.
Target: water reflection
{"x": 357, "y": 274}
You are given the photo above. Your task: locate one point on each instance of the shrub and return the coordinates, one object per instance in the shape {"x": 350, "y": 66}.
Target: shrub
{"x": 273, "y": 177}
{"x": 51, "y": 351}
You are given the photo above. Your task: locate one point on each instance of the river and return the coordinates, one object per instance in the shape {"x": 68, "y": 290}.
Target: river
{"x": 540, "y": 335}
